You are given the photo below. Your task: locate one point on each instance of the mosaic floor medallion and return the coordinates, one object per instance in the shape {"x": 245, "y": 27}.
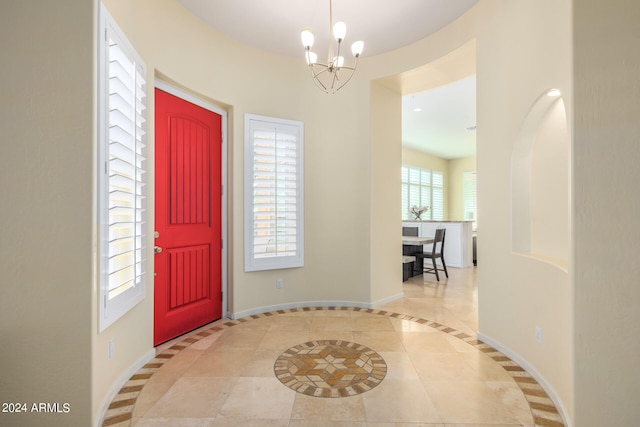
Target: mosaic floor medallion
{"x": 330, "y": 368}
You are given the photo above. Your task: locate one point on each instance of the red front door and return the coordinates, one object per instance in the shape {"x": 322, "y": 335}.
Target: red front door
{"x": 188, "y": 216}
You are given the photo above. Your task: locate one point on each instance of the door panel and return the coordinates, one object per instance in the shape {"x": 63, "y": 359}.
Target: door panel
{"x": 188, "y": 275}
{"x": 188, "y": 203}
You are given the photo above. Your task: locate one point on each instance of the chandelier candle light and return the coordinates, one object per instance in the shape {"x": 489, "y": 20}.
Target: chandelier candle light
{"x": 327, "y": 75}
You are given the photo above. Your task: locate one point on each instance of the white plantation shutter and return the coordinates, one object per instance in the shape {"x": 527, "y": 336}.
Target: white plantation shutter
{"x": 122, "y": 179}
{"x": 422, "y": 187}
{"x": 415, "y": 190}
{"x": 273, "y": 193}
{"x": 404, "y": 177}
{"x": 437, "y": 196}
{"x": 469, "y": 198}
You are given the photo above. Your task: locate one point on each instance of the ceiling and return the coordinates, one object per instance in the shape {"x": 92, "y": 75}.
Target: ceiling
{"x": 275, "y": 26}
{"x": 445, "y": 124}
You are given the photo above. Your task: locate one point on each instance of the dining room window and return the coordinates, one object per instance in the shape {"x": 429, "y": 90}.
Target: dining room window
{"x": 469, "y": 198}
{"x": 274, "y": 193}
{"x": 422, "y": 188}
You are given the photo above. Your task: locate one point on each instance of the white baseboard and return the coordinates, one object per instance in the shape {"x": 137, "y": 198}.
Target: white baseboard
{"x": 531, "y": 370}
{"x": 265, "y": 309}
{"x": 121, "y": 381}
{"x": 387, "y": 300}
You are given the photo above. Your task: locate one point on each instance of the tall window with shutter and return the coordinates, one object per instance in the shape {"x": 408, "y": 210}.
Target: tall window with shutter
{"x": 121, "y": 172}
{"x": 274, "y": 193}
{"x": 469, "y": 198}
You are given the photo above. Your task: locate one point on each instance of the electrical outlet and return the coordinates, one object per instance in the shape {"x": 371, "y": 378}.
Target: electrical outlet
{"x": 279, "y": 284}
{"x": 111, "y": 348}
{"x": 539, "y": 334}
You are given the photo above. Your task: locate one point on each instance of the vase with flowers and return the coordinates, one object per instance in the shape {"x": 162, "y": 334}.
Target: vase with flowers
{"x": 417, "y": 211}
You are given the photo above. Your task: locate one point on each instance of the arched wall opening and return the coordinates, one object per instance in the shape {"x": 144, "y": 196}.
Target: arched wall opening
{"x": 540, "y": 183}
{"x": 386, "y": 149}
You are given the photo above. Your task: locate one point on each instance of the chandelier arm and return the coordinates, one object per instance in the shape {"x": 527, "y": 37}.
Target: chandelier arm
{"x": 336, "y": 66}
{"x": 318, "y": 82}
{"x": 316, "y": 74}
{"x": 333, "y": 81}
{"x": 315, "y": 78}
{"x": 353, "y": 71}
{"x": 319, "y": 85}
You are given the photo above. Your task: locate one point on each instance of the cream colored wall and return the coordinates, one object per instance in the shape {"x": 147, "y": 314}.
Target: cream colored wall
{"x": 607, "y": 212}
{"x": 46, "y": 185}
{"x": 549, "y": 195}
{"x": 524, "y": 50}
{"x": 419, "y": 159}
{"x": 386, "y": 277}
{"x": 457, "y": 168}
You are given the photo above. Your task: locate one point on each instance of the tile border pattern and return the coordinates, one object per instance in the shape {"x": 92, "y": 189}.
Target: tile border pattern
{"x": 120, "y": 411}
{"x": 330, "y": 368}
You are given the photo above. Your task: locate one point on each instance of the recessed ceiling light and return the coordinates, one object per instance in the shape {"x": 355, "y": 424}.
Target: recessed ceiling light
{"x": 554, "y": 92}
{"x": 417, "y": 110}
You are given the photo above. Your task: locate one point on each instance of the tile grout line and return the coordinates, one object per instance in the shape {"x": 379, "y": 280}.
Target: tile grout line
{"x": 543, "y": 410}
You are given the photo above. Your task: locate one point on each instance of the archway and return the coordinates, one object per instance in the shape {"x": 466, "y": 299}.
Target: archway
{"x": 540, "y": 182}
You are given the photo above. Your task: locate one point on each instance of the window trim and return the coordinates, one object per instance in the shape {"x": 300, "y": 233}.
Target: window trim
{"x": 111, "y": 309}
{"x": 251, "y": 263}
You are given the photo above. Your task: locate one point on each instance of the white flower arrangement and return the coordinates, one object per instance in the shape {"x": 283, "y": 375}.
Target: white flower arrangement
{"x": 417, "y": 211}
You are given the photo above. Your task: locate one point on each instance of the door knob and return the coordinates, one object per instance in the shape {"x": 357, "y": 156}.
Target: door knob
{"x": 157, "y": 249}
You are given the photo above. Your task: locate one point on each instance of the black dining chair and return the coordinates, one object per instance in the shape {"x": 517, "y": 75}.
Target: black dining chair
{"x": 412, "y": 250}
{"x": 437, "y": 251}
{"x": 410, "y": 231}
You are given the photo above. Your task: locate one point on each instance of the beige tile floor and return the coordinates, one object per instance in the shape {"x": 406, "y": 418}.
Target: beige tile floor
{"x": 434, "y": 378}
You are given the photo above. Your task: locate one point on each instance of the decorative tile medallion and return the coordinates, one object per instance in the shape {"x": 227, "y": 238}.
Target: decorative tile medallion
{"x": 330, "y": 368}
{"x": 120, "y": 411}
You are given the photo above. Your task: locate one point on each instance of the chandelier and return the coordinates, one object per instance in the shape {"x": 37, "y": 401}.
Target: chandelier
{"x": 334, "y": 74}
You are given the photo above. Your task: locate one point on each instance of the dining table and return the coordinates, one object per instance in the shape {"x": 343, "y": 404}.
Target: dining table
{"x": 412, "y": 245}
{"x": 416, "y": 240}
